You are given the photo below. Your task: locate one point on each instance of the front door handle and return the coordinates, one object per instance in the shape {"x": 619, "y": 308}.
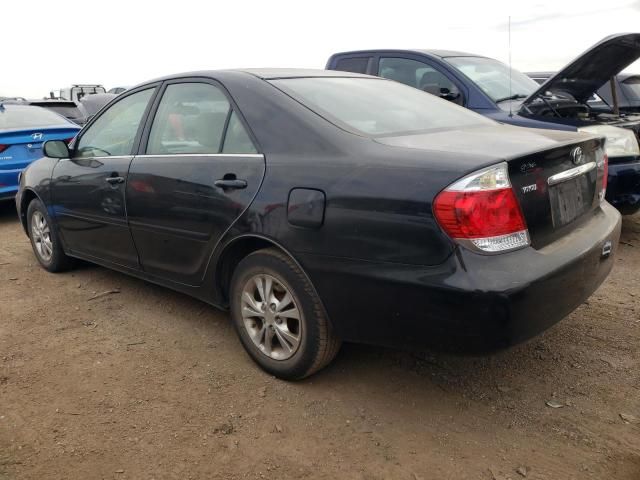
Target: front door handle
{"x": 114, "y": 180}
{"x": 230, "y": 183}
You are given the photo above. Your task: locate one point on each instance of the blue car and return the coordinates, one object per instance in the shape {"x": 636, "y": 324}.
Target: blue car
{"x": 23, "y": 130}
{"x": 562, "y": 102}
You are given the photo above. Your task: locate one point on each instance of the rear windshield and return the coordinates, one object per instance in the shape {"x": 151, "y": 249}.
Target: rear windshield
{"x": 376, "y": 107}
{"x": 67, "y": 111}
{"x": 22, "y": 116}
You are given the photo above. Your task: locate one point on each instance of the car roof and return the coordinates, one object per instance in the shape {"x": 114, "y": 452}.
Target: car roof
{"x": 263, "y": 73}
{"x": 432, "y": 52}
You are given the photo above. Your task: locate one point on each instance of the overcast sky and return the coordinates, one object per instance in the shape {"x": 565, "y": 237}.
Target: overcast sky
{"x": 52, "y": 44}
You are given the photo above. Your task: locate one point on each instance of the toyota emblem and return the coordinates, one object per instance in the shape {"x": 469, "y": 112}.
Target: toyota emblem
{"x": 577, "y": 155}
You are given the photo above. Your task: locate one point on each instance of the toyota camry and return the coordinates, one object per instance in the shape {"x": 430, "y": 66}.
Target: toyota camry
{"x": 322, "y": 207}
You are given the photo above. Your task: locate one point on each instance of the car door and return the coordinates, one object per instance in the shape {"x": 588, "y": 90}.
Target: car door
{"x": 198, "y": 171}
{"x": 88, "y": 189}
{"x": 421, "y": 75}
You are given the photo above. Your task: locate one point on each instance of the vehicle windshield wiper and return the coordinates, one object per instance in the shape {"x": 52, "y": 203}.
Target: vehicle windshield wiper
{"x": 511, "y": 97}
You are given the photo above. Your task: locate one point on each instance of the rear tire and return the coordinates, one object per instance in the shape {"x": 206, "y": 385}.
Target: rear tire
{"x": 279, "y": 317}
{"x": 45, "y": 240}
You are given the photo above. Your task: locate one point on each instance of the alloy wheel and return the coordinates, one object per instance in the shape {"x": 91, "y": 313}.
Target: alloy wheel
{"x": 271, "y": 317}
{"x": 41, "y": 233}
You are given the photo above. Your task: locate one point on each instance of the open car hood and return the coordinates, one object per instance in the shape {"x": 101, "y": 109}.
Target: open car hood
{"x": 595, "y": 67}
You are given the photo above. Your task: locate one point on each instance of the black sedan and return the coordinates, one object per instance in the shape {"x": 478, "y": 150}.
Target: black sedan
{"x": 328, "y": 206}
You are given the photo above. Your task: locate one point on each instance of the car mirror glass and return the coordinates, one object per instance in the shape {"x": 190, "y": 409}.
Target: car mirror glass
{"x": 56, "y": 149}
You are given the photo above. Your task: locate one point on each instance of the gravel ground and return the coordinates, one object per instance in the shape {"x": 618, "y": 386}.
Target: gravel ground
{"x": 148, "y": 383}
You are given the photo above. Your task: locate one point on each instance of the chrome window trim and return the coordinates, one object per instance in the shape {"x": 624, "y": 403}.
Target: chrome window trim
{"x": 98, "y": 158}
{"x": 570, "y": 174}
{"x": 244, "y": 155}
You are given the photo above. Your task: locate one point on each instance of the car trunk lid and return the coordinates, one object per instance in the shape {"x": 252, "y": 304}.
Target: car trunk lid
{"x": 557, "y": 176}
{"x": 558, "y": 187}
{"x": 20, "y": 147}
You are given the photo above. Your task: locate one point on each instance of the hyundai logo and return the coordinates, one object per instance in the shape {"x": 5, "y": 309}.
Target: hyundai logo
{"x": 36, "y": 136}
{"x": 577, "y": 155}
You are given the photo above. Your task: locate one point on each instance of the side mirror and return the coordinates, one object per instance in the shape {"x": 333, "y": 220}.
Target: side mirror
{"x": 56, "y": 149}
{"x": 449, "y": 95}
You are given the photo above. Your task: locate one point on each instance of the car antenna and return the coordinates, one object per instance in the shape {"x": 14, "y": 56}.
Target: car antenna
{"x": 510, "y": 89}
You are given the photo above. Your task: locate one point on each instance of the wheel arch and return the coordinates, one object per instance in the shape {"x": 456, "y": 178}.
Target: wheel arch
{"x": 238, "y": 248}
{"x": 28, "y": 195}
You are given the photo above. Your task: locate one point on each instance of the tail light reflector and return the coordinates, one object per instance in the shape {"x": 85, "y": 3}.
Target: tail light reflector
{"x": 3, "y": 148}
{"x": 481, "y": 211}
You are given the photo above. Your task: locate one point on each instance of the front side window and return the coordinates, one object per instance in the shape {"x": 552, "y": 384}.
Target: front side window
{"x": 376, "y": 107}
{"x": 114, "y": 132}
{"x": 193, "y": 118}
{"x": 418, "y": 75}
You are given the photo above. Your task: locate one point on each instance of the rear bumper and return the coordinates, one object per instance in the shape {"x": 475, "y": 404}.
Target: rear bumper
{"x": 471, "y": 302}
{"x": 623, "y": 185}
{"x": 8, "y": 192}
{"x": 9, "y": 183}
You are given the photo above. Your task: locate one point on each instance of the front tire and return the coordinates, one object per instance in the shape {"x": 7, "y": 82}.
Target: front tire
{"x": 44, "y": 239}
{"x": 278, "y": 316}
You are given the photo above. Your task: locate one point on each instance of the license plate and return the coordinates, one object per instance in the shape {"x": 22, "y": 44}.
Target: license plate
{"x": 570, "y": 199}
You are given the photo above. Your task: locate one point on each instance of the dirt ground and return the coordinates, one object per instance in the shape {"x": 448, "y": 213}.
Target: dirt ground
{"x": 151, "y": 384}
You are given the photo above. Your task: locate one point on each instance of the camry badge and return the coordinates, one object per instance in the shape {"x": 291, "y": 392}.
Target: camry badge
{"x": 36, "y": 136}
{"x": 577, "y": 155}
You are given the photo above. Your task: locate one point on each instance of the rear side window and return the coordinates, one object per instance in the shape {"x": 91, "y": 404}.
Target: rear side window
{"x": 193, "y": 118}
{"x": 353, "y": 64}
{"x": 114, "y": 132}
{"x": 237, "y": 140}
{"x": 22, "y": 116}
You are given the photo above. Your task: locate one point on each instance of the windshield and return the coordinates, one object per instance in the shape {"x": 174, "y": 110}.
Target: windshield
{"x": 632, "y": 87}
{"x": 22, "y": 116}
{"x": 492, "y": 77}
{"x": 377, "y": 107}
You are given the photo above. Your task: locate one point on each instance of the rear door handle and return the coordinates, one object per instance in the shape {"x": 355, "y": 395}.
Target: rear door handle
{"x": 114, "y": 180}
{"x": 230, "y": 183}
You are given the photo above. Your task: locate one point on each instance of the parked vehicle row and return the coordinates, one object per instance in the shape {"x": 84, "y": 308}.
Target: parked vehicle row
{"x": 562, "y": 102}
{"x": 23, "y": 130}
{"x": 326, "y": 206}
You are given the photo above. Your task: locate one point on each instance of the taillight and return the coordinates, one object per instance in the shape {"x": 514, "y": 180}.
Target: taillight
{"x": 603, "y": 167}
{"x": 481, "y": 211}
{"x": 3, "y": 148}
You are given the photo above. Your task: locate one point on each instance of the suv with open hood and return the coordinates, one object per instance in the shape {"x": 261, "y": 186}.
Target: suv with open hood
{"x": 491, "y": 88}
